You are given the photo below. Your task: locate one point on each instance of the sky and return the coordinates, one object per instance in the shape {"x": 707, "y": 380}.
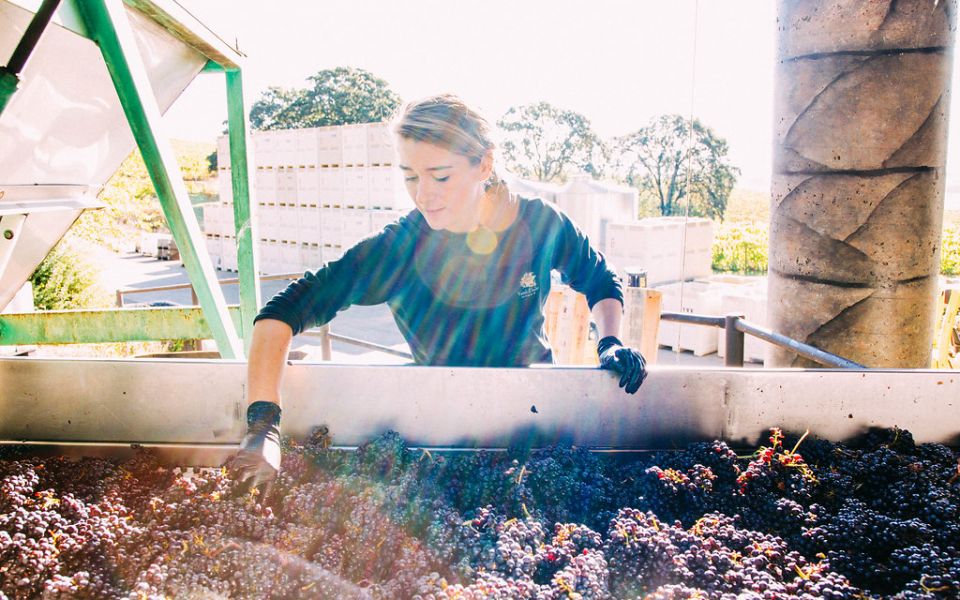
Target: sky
{"x": 619, "y": 63}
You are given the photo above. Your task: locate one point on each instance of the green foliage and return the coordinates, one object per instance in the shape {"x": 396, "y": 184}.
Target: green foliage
{"x": 131, "y": 205}
{"x": 66, "y": 280}
{"x": 748, "y": 205}
{"x": 340, "y": 96}
{"x": 741, "y": 247}
{"x": 950, "y": 250}
{"x": 543, "y": 142}
{"x": 677, "y": 160}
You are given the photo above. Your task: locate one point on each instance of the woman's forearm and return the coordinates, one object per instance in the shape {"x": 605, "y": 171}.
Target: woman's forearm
{"x": 268, "y": 356}
{"x": 607, "y": 314}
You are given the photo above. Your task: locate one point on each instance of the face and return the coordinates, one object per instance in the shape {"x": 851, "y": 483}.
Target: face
{"x": 445, "y": 186}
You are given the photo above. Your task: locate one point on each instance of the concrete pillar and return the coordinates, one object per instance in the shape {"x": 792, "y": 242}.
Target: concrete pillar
{"x": 857, "y": 198}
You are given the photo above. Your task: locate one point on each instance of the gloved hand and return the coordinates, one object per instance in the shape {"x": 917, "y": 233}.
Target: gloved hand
{"x": 629, "y": 363}
{"x": 258, "y": 459}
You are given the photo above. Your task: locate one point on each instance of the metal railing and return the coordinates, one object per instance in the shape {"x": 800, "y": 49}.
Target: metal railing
{"x": 326, "y": 336}
{"x": 736, "y": 326}
{"x": 122, "y": 293}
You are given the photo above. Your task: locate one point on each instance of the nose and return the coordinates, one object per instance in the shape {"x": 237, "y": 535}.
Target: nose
{"x": 425, "y": 194}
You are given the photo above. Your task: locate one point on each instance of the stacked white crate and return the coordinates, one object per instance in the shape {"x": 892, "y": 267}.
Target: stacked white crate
{"x": 265, "y": 182}
{"x": 265, "y": 149}
{"x": 380, "y": 148}
{"x": 148, "y": 243}
{"x": 268, "y": 220}
{"x": 285, "y": 147}
{"x": 356, "y": 187}
{"x": 307, "y": 141}
{"x": 331, "y": 225}
{"x": 386, "y": 189}
{"x": 658, "y": 246}
{"x": 214, "y": 249}
{"x": 318, "y": 191}
{"x": 354, "y": 142}
{"x": 330, "y": 186}
{"x": 286, "y": 191}
{"x": 332, "y": 253}
{"x": 381, "y": 218}
{"x": 288, "y": 217}
{"x": 746, "y": 296}
{"x": 691, "y": 297}
{"x": 356, "y": 226}
{"x": 329, "y": 147}
{"x": 211, "y": 219}
{"x": 311, "y": 255}
{"x": 225, "y": 185}
{"x": 309, "y": 224}
{"x": 290, "y": 257}
{"x": 271, "y": 256}
{"x": 228, "y": 261}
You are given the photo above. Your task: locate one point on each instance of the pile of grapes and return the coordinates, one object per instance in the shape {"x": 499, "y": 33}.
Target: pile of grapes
{"x": 798, "y": 518}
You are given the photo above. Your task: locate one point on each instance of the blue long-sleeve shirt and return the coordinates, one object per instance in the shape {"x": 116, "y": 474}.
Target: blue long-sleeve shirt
{"x": 452, "y": 305}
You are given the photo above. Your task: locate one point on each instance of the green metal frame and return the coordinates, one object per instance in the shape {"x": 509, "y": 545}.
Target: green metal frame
{"x": 243, "y": 217}
{"x": 105, "y": 22}
{"x": 104, "y": 326}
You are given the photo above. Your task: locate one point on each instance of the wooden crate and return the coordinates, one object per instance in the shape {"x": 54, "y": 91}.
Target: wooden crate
{"x": 946, "y": 340}
{"x": 567, "y": 324}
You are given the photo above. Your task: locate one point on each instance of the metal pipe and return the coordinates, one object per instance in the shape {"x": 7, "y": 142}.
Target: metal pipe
{"x": 31, "y": 36}
{"x": 358, "y": 342}
{"x": 733, "y": 341}
{"x": 9, "y": 74}
{"x": 183, "y": 286}
{"x": 693, "y": 319}
{"x": 804, "y": 350}
{"x": 326, "y": 347}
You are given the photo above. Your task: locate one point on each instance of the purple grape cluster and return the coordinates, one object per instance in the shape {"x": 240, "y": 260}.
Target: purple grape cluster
{"x": 798, "y": 518}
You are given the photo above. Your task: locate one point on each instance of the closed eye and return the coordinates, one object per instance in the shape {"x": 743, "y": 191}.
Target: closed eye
{"x": 441, "y": 179}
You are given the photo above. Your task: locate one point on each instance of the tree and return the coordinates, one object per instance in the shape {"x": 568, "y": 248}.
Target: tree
{"x": 340, "y": 96}
{"x": 678, "y": 161}
{"x": 543, "y": 142}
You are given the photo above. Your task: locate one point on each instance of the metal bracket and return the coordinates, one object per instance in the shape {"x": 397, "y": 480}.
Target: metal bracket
{"x": 10, "y": 226}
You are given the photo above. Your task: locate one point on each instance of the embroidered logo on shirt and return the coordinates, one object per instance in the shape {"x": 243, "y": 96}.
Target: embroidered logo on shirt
{"x": 528, "y": 285}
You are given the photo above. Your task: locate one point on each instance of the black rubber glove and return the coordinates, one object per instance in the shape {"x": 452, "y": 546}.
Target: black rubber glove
{"x": 627, "y": 362}
{"x": 258, "y": 460}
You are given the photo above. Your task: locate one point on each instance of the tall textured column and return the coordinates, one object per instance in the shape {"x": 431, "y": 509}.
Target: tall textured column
{"x": 857, "y": 200}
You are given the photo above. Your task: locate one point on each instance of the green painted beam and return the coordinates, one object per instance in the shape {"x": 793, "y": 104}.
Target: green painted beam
{"x": 181, "y": 23}
{"x": 212, "y": 67}
{"x": 9, "y": 82}
{"x": 105, "y": 326}
{"x": 245, "y": 222}
{"x": 109, "y": 27}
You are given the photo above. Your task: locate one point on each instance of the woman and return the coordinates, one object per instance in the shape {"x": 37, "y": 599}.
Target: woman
{"x": 466, "y": 275}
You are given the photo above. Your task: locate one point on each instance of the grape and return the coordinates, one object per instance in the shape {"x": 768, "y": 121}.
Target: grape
{"x": 798, "y": 518}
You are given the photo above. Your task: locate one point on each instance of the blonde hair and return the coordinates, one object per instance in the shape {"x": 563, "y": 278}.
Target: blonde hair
{"x": 446, "y": 121}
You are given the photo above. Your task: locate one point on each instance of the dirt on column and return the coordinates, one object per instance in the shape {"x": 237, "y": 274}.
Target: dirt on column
{"x": 862, "y": 94}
